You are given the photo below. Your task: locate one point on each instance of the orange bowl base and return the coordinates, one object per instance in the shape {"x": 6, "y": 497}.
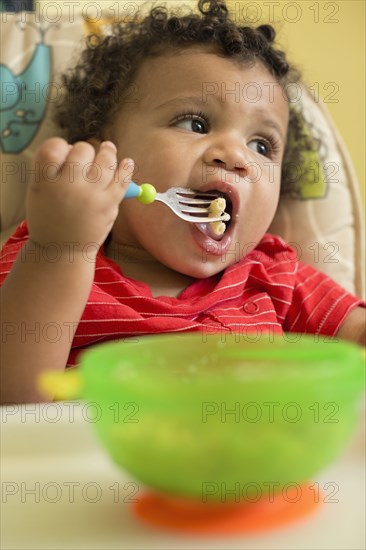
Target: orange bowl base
{"x": 208, "y": 518}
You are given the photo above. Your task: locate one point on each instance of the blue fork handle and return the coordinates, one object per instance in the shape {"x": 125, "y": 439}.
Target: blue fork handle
{"x": 145, "y": 192}
{"x": 133, "y": 191}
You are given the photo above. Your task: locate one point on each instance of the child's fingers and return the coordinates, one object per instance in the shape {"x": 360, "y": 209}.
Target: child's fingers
{"x": 50, "y": 158}
{"x": 103, "y": 168}
{"x": 79, "y": 160}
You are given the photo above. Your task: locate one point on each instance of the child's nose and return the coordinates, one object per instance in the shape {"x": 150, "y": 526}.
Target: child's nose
{"x": 228, "y": 152}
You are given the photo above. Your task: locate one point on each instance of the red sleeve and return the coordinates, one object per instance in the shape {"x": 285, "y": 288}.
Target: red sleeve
{"x": 11, "y": 249}
{"x": 319, "y": 304}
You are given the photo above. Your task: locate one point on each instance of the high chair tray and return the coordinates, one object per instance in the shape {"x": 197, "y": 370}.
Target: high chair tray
{"x": 61, "y": 491}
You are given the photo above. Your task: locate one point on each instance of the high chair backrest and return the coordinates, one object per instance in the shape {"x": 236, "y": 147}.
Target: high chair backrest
{"x": 325, "y": 225}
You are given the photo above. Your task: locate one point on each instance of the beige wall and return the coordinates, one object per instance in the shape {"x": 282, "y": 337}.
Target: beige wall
{"x": 330, "y": 50}
{"x": 326, "y": 40}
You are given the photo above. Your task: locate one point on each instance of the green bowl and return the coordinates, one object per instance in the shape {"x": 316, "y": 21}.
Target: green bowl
{"x": 214, "y": 417}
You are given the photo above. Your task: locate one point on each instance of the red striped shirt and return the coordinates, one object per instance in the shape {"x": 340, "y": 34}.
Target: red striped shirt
{"x": 269, "y": 290}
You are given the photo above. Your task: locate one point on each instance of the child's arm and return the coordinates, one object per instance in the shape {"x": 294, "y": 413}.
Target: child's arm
{"x": 354, "y": 327}
{"x": 72, "y": 211}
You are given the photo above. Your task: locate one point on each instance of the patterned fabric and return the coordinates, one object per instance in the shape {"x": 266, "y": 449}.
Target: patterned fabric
{"x": 33, "y": 53}
{"x": 270, "y": 290}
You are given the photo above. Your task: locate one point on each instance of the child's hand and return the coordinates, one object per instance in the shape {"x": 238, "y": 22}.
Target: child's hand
{"x": 75, "y": 193}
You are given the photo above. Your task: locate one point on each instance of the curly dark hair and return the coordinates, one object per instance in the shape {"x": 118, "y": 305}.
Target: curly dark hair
{"x": 97, "y": 86}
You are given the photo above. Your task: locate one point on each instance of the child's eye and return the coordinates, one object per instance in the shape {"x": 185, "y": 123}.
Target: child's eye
{"x": 260, "y": 146}
{"x": 192, "y": 122}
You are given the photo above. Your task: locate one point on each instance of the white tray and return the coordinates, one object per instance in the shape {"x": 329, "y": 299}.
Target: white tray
{"x": 61, "y": 491}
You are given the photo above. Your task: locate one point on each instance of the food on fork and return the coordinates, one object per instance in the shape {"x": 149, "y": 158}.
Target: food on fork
{"x": 218, "y": 228}
{"x": 216, "y": 208}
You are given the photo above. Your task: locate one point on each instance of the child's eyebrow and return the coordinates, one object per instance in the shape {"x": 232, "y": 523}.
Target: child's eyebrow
{"x": 188, "y": 100}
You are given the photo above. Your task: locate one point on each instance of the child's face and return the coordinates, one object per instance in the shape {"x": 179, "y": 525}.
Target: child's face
{"x": 205, "y": 122}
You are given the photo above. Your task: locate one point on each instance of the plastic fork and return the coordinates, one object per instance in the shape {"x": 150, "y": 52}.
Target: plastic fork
{"x": 189, "y": 205}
